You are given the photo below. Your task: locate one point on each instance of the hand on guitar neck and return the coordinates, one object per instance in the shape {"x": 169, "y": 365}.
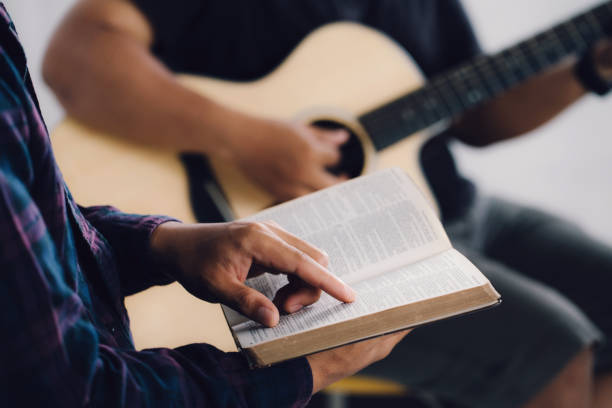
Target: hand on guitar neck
{"x": 533, "y": 103}
{"x": 602, "y": 55}
{"x": 288, "y": 159}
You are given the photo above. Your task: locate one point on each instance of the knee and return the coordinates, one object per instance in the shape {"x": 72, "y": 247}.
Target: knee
{"x": 578, "y": 372}
{"x": 571, "y": 387}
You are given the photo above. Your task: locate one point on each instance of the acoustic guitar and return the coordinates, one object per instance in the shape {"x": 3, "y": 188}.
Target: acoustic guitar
{"x": 341, "y": 75}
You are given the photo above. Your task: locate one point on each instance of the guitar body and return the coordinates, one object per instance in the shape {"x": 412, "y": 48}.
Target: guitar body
{"x": 338, "y": 72}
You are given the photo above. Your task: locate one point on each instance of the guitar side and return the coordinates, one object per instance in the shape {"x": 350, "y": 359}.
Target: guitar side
{"x": 342, "y": 69}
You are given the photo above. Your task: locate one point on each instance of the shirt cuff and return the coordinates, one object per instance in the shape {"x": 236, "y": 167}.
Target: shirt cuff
{"x": 287, "y": 384}
{"x": 158, "y": 269}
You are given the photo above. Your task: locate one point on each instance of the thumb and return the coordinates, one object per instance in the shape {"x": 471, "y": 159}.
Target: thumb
{"x": 252, "y": 304}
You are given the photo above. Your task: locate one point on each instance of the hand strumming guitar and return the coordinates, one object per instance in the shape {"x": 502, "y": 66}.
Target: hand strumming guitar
{"x": 287, "y": 159}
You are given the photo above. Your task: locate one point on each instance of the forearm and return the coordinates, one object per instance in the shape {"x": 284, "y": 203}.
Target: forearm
{"x": 77, "y": 370}
{"x": 102, "y": 71}
{"x": 522, "y": 108}
{"x": 59, "y": 350}
{"x": 196, "y": 375}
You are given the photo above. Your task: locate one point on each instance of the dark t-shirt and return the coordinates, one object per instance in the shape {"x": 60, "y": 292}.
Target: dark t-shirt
{"x": 246, "y": 39}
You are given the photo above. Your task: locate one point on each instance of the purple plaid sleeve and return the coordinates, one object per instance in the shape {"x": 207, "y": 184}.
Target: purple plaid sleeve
{"x": 64, "y": 333}
{"x": 54, "y": 353}
{"x": 130, "y": 234}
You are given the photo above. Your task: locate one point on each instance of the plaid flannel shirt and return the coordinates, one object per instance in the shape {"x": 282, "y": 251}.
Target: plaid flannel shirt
{"x": 64, "y": 330}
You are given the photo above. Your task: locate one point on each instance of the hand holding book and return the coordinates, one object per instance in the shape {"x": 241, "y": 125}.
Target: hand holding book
{"x": 383, "y": 239}
{"x": 381, "y": 236}
{"x": 332, "y": 365}
{"x": 214, "y": 260}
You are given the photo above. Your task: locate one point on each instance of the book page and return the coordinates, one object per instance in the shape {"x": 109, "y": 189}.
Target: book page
{"x": 367, "y": 225}
{"x": 439, "y": 275}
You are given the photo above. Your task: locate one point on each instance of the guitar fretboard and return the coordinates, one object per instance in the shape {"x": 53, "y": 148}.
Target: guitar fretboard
{"x": 472, "y": 83}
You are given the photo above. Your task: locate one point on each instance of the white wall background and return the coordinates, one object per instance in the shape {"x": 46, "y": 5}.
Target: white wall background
{"x": 566, "y": 166}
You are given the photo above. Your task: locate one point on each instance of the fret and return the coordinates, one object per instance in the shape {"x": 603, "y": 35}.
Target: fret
{"x": 537, "y": 52}
{"x": 432, "y": 106}
{"x": 410, "y": 110}
{"x": 460, "y": 80}
{"x": 429, "y": 107}
{"x": 483, "y": 65}
{"x": 589, "y": 27}
{"x": 415, "y": 115}
{"x": 456, "y": 81}
{"x": 433, "y": 103}
{"x": 554, "y": 50}
{"x": 593, "y": 23}
{"x": 579, "y": 42}
{"x": 480, "y": 89}
{"x": 564, "y": 39}
{"x": 475, "y": 87}
{"x": 521, "y": 62}
{"x": 411, "y": 116}
{"x": 421, "y": 121}
{"x": 447, "y": 96}
{"x": 504, "y": 67}
{"x": 425, "y": 106}
{"x": 532, "y": 61}
{"x": 453, "y": 87}
{"x": 476, "y": 95}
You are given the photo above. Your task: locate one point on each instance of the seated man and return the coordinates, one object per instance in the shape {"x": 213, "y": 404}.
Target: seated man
{"x": 111, "y": 65}
{"x": 64, "y": 271}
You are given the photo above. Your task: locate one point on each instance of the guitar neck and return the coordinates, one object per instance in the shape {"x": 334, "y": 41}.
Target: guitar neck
{"x": 475, "y": 82}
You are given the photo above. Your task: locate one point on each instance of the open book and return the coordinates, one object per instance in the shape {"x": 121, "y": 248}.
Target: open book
{"x": 384, "y": 240}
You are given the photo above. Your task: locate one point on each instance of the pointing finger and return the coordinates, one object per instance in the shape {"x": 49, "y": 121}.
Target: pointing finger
{"x": 272, "y": 251}
{"x": 314, "y": 252}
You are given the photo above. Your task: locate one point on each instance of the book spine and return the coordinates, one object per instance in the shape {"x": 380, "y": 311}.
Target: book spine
{"x": 253, "y": 359}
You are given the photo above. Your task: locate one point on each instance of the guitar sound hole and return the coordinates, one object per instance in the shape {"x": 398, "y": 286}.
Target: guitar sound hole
{"x": 352, "y": 159}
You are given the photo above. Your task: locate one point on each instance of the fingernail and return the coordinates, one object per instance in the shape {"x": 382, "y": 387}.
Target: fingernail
{"x": 350, "y": 293}
{"x": 265, "y": 315}
{"x": 294, "y": 307}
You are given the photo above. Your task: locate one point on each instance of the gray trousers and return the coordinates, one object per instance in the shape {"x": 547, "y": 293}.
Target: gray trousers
{"x": 555, "y": 283}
